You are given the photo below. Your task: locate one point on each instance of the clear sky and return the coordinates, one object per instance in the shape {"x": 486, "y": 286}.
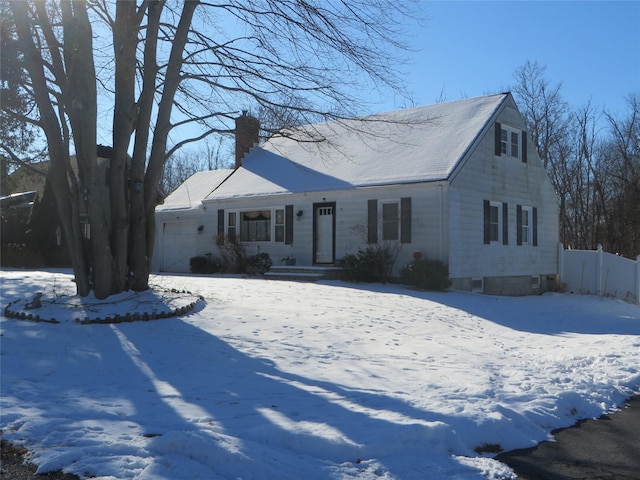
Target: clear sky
{"x": 472, "y": 48}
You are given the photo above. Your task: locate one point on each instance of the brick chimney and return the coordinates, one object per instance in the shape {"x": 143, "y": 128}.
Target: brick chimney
{"x": 247, "y": 129}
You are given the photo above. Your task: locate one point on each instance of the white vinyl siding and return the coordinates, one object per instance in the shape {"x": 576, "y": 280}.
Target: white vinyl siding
{"x": 488, "y": 176}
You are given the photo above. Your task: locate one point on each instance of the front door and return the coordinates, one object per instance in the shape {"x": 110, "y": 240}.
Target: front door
{"x": 324, "y": 232}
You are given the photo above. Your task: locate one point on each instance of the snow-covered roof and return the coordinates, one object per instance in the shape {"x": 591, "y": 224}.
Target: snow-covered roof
{"x": 189, "y": 195}
{"x": 413, "y": 145}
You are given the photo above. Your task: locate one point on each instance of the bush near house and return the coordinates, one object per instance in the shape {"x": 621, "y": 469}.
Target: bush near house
{"x": 204, "y": 264}
{"x": 373, "y": 264}
{"x": 259, "y": 263}
{"x": 426, "y": 274}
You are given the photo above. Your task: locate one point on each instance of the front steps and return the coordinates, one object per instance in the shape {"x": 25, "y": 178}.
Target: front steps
{"x": 303, "y": 273}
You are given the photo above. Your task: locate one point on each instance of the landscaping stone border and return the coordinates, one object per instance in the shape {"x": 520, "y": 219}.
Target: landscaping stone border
{"x": 127, "y": 318}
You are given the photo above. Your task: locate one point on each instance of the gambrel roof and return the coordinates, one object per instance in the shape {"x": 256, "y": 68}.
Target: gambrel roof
{"x": 420, "y": 144}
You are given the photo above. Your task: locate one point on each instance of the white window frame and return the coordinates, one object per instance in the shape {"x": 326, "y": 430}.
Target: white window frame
{"x": 526, "y": 229}
{"x": 381, "y": 228}
{"x": 497, "y": 205}
{"x": 506, "y": 146}
{"x": 237, "y": 215}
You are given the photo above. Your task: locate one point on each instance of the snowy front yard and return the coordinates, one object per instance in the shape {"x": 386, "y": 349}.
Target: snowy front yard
{"x": 284, "y": 380}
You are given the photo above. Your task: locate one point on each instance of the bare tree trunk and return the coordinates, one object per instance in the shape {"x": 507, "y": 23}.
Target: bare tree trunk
{"x": 143, "y": 203}
{"x": 125, "y": 36}
{"x": 66, "y": 197}
{"x": 81, "y": 100}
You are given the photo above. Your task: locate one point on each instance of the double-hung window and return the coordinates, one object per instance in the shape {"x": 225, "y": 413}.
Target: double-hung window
{"x": 496, "y": 216}
{"x": 495, "y": 222}
{"x": 511, "y": 142}
{"x": 527, "y": 225}
{"x": 390, "y": 220}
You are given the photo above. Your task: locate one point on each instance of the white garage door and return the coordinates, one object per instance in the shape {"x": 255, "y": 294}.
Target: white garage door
{"x": 178, "y": 246}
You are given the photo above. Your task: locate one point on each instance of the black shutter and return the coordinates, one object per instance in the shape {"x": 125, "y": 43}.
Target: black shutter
{"x": 498, "y": 138}
{"x": 288, "y": 224}
{"x": 372, "y": 221}
{"x": 405, "y": 220}
{"x": 220, "y": 238}
{"x": 535, "y": 227}
{"x": 524, "y": 146}
{"x": 505, "y": 224}
{"x": 519, "y": 224}
{"x": 487, "y": 224}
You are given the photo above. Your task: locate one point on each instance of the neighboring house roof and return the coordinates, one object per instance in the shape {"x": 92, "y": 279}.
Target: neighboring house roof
{"x": 27, "y": 178}
{"x": 189, "y": 195}
{"x": 413, "y": 145}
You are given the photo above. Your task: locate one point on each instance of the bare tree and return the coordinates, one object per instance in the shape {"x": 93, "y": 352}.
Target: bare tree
{"x": 175, "y": 72}
{"x": 620, "y": 166}
{"x": 549, "y": 122}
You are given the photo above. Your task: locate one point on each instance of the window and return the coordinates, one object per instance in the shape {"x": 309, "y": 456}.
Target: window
{"x": 390, "y": 221}
{"x": 527, "y": 225}
{"x": 279, "y": 226}
{"x": 496, "y": 222}
{"x": 511, "y": 142}
{"x": 231, "y": 229}
{"x": 535, "y": 281}
{"x": 267, "y": 225}
{"x": 477, "y": 284}
{"x": 255, "y": 226}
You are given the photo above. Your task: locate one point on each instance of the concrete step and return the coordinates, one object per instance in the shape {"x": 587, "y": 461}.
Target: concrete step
{"x": 302, "y": 273}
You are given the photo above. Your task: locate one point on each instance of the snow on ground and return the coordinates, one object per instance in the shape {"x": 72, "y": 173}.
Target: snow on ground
{"x": 285, "y": 380}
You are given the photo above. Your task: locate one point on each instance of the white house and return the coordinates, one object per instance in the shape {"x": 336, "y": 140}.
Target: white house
{"x": 457, "y": 181}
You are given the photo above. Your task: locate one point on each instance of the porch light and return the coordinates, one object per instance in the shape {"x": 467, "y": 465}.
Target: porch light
{"x": 299, "y": 214}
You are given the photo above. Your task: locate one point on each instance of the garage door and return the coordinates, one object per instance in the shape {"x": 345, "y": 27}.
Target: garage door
{"x": 178, "y": 246}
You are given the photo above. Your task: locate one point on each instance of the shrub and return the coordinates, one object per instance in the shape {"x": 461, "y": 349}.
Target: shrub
{"x": 234, "y": 255}
{"x": 259, "y": 263}
{"x": 204, "y": 264}
{"x": 426, "y": 274}
{"x": 373, "y": 264}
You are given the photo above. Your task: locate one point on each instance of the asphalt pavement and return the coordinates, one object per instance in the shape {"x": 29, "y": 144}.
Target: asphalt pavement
{"x": 606, "y": 448}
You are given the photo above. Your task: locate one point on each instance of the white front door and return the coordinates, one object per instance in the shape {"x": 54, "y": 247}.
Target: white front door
{"x": 324, "y": 233}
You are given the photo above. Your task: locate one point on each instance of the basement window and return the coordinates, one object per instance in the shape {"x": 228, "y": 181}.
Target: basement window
{"x": 477, "y": 285}
{"x": 535, "y": 281}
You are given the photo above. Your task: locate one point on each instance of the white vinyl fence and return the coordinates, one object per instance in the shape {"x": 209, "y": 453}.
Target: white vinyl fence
{"x": 594, "y": 272}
